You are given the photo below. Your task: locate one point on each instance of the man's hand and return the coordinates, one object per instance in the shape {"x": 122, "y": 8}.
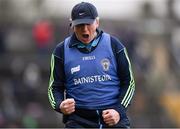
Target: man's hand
{"x": 111, "y": 117}
{"x": 67, "y": 106}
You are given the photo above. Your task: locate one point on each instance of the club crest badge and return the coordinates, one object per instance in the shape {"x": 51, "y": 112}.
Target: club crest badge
{"x": 105, "y": 64}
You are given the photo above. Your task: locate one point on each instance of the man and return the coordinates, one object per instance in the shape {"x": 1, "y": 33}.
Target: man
{"x": 91, "y": 81}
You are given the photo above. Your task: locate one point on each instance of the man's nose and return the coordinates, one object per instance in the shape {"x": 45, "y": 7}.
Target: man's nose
{"x": 85, "y": 26}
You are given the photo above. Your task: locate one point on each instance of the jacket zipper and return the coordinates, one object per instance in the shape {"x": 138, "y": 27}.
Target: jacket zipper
{"x": 100, "y": 125}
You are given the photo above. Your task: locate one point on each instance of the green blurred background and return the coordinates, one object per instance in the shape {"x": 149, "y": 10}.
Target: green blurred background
{"x": 30, "y": 29}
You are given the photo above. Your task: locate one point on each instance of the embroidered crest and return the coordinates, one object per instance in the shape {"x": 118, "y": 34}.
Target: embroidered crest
{"x": 105, "y": 64}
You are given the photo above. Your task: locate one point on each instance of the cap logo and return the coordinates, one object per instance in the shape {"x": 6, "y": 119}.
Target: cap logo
{"x": 80, "y": 14}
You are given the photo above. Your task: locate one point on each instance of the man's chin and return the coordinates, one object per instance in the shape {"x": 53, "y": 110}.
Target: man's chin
{"x": 86, "y": 41}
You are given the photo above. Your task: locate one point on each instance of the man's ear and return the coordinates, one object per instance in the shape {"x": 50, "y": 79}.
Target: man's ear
{"x": 70, "y": 24}
{"x": 97, "y": 22}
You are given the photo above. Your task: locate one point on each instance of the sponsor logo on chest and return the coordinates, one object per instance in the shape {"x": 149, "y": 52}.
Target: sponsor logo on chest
{"x": 88, "y": 58}
{"x": 75, "y": 69}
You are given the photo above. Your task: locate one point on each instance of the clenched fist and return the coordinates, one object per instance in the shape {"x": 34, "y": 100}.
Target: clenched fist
{"x": 67, "y": 106}
{"x": 110, "y": 117}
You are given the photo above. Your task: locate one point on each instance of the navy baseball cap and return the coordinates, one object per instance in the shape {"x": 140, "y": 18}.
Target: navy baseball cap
{"x": 83, "y": 13}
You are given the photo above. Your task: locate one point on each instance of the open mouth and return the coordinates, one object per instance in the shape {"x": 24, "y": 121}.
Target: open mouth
{"x": 85, "y": 35}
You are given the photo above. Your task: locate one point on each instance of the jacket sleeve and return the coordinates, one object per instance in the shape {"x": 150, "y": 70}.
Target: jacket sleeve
{"x": 126, "y": 78}
{"x": 57, "y": 78}
{"x": 124, "y": 71}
